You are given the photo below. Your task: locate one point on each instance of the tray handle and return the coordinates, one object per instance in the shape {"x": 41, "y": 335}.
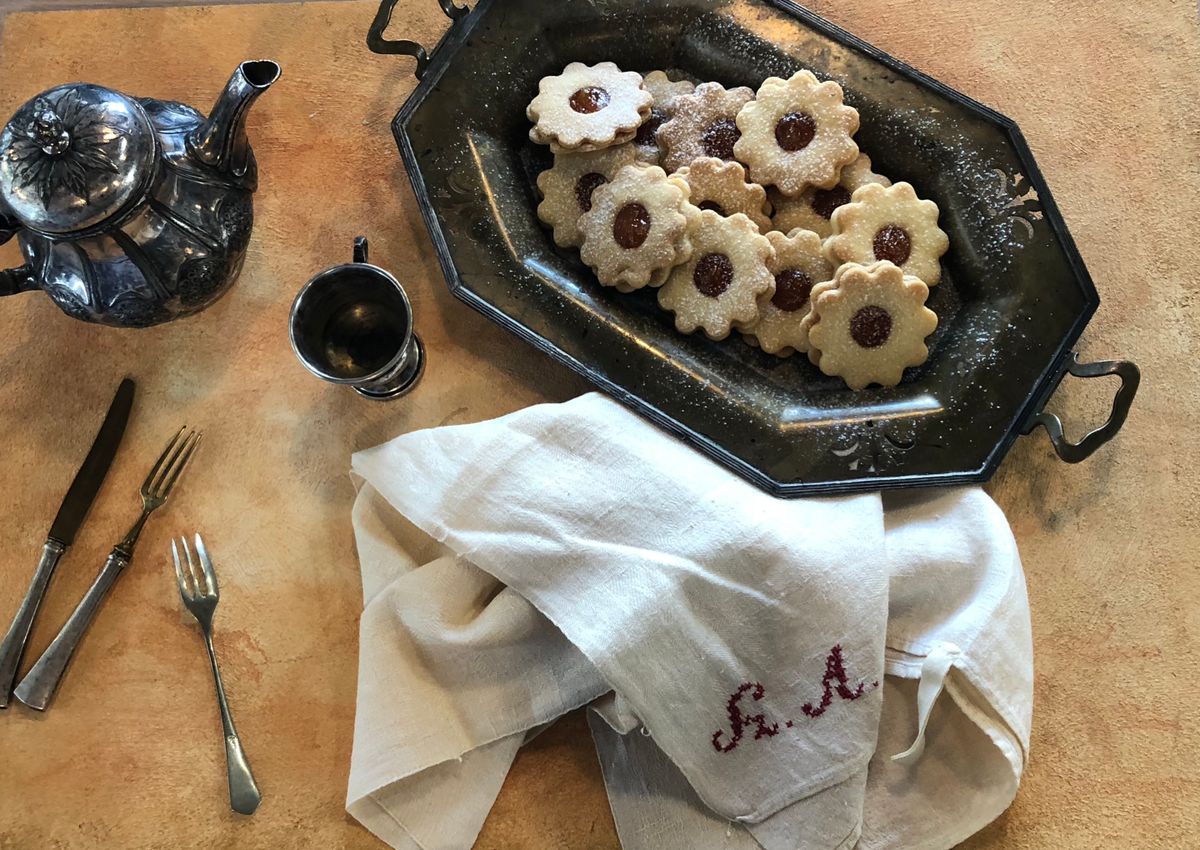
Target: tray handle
{"x": 378, "y": 44}
{"x": 1130, "y": 377}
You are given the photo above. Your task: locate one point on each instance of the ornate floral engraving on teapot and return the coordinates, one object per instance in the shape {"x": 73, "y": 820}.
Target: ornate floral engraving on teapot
{"x": 129, "y": 212}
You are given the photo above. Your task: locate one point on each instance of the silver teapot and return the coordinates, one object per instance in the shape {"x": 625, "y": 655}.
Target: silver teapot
{"x": 129, "y": 212}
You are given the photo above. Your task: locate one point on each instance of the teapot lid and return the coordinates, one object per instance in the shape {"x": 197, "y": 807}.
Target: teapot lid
{"x": 74, "y": 157}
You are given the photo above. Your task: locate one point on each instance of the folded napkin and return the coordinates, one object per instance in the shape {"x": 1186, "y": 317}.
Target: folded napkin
{"x": 742, "y": 637}
{"x": 959, "y": 621}
{"x": 958, "y": 617}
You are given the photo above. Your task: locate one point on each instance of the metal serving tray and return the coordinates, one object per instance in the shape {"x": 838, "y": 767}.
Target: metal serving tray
{"x": 1014, "y": 299}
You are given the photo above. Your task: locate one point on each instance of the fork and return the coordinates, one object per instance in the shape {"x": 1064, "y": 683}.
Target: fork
{"x": 43, "y": 678}
{"x": 200, "y": 596}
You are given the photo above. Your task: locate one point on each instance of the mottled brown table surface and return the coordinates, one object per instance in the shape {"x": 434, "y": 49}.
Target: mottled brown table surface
{"x": 130, "y": 755}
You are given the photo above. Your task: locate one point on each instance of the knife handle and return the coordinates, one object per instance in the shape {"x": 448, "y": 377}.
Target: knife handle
{"x": 43, "y": 678}
{"x": 18, "y": 633}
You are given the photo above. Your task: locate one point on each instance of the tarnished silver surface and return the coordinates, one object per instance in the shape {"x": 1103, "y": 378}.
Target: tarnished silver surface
{"x": 200, "y": 593}
{"x": 353, "y": 324}
{"x": 129, "y": 213}
{"x": 43, "y": 677}
{"x": 74, "y": 508}
{"x": 75, "y": 157}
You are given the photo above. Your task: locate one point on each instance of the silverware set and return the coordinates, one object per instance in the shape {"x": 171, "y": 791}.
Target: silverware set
{"x": 44, "y": 676}
{"x": 196, "y": 577}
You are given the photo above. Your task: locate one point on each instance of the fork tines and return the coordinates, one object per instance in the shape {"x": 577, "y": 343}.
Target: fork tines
{"x": 194, "y": 582}
{"x": 170, "y": 463}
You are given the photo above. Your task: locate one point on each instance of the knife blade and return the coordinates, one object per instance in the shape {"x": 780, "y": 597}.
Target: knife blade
{"x": 95, "y": 466}
{"x": 75, "y": 505}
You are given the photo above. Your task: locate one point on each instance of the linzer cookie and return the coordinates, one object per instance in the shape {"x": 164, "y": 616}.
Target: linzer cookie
{"x": 656, "y": 280}
{"x": 797, "y": 133}
{"x": 721, "y": 187}
{"x": 869, "y": 324}
{"x": 567, "y": 188}
{"x": 637, "y": 227}
{"x": 720, "y": 286}
{"x": 855, "y": 302}
{"x": 703, "y": 125}
{"x": 588, "y": 107}
{"x": 664, "y": 91}
{"x": 798, "y": 266}
{"x": 813, "y": 208}
{"x": 889, "y": 223}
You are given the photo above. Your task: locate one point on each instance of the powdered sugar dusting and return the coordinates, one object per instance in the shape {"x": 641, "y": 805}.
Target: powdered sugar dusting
{"x": 781, "y": 416}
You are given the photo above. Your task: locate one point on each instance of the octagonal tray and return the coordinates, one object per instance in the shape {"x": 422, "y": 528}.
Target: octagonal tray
{"x": 1014, "y": 299}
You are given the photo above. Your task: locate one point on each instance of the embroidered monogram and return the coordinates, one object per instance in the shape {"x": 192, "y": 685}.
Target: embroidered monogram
{"x": 835, "y": 671}
{"x": 834, "y": 681}
{"x": 738, "y": 721}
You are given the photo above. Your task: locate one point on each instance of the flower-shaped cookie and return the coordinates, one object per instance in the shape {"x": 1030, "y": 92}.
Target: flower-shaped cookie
{"x": 720, "y": 286}
{"x": 662, "y": 108}
{"x": 703, "y": 125}
{"x": 889, "y": 223}
{"x": 637, "y": 227}
{"x": 588, "y": 107}
{"x": 567, "y": 188}
{"x": 869, "y": 324}
{"x": 813, "y": 207}
{"x": 798, "y": 266}
{"x": 721, "y": 187}
{"x": 796, "y": 133}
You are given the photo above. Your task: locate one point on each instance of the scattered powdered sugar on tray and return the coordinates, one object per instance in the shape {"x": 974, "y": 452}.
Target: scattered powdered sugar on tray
{"x": 482, "y": 184}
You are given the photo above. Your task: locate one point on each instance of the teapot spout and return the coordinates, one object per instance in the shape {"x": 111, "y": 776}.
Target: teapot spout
{"x": 220, "y": 141}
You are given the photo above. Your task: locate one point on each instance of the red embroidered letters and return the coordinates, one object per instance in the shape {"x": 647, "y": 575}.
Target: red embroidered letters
{"x": 835, "y": 671}
{"x": 739, "y": 721}
{"x": 834, "y": 681}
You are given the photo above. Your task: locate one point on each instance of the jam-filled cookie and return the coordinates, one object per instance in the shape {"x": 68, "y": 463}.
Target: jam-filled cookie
{"x": 588, "y": 107}
{"x": 637, "y": 227}
{"x": 797, "y": 133}
{"x": 798, "y": 266}
{"x": 869, "y": 324}
{"x": 567, "y": 188}
{"x": 656, "y": 280}
{"x": 721, "y": 187}
{"x": 664, "y": 92}
{"x": 719, "y": 287}
{"x": 703, "y": 125}
{"x": 623, "y": 139}
{"x": 889, "y": 223}
{"x": 813, "y": 208}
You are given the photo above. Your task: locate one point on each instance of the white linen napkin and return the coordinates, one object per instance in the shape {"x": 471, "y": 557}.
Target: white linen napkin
{"x": 743, "y": 635}
{"x": 454, "y": 671}
{"x": 746, "y": 632}
{"x": 959, "y": 605}
{"x": 958, "y": 617}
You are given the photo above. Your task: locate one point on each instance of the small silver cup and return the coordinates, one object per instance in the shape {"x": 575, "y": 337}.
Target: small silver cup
{"x": 352, "y": 324}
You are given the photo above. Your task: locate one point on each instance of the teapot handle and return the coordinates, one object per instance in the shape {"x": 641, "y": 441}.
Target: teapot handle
{"x": 20, "y": 279}
{"x": 8, "y": 228}
{"x": 16, "y": 280}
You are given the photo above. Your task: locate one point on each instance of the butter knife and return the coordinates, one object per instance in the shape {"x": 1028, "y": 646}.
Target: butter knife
{"x": 74, "y": 508}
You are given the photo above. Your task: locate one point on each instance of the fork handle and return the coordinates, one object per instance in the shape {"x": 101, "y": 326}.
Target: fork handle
{"x": 244, "y": 795}
{"x": 13, "y": 646}
{"x": 43, "y": 678}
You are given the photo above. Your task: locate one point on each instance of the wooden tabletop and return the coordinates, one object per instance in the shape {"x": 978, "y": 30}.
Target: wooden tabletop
{"x": 130, "y": 754}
